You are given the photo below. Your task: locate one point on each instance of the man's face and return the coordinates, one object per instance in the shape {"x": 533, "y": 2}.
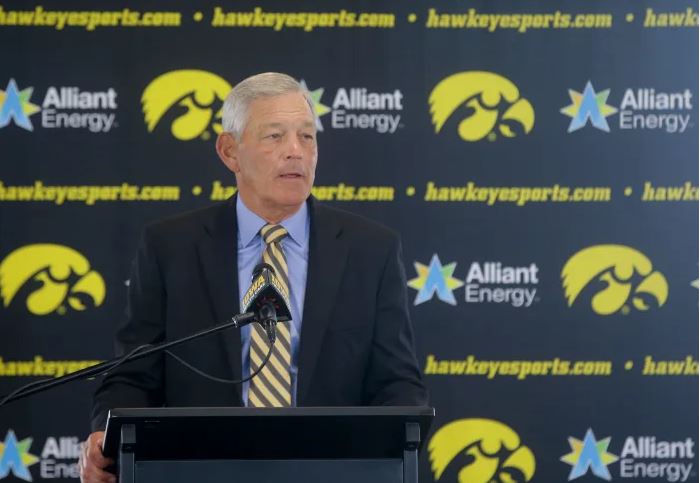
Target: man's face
{"x": 275, "y": 160}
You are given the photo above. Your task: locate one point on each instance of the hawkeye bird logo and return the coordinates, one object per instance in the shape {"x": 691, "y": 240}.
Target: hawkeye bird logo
{"x": 49, "y": 277}
{"x": 192, "y": 99}
{"x": 488, "y": 103}
{"x": 479, "y": 451}
{"x": 622, "y": 273}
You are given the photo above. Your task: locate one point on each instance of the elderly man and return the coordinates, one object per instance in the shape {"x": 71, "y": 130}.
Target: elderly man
{"x": 350, "y": 341}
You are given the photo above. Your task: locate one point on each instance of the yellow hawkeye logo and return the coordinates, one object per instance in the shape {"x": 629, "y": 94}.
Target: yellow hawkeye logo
{"x": 623, "y": 273}
{"x": 479, "y": 451}
{"x": 487, "y": 101}
{"x": 194, "y": 97}
{"x": 49, "y": 276}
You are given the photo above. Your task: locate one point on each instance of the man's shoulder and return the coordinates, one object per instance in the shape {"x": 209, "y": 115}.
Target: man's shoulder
{"x": 189, "y": 224}
{"x": 356, "y": 226}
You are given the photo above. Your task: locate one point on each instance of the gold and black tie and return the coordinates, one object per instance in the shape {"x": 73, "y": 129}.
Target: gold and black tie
{"x": 272, "y": 387}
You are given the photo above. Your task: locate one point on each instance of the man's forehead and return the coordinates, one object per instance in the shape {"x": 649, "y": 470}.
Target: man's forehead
{"x": 280, "y": 110}
{"x": 290, "y": 102}
{"x": 265, "y": 123}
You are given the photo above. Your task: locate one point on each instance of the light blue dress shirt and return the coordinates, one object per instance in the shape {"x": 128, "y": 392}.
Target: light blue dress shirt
{"x": 296, "y": 249}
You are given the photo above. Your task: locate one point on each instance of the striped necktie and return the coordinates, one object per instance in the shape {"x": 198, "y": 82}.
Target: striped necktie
{"x": 272, "y": 387}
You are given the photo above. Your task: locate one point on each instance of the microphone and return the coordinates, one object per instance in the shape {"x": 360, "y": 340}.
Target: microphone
{"x": 268, "y": 298}
{"x": 265, "y": 302}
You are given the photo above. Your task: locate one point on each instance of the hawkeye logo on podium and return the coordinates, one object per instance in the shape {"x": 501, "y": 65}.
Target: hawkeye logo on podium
{"x": 479, "y": 451}
{"x": 484, "y": 105}
{"x": 49, "y": 279}
{"x": 189, "y": 102}
{"x": 641, "y": 458}
{"x": 59, "y": 458}
{"x": 616, "y": 278}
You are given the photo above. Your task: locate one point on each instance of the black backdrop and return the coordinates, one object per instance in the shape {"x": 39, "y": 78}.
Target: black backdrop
{"x": 549, "y": 229}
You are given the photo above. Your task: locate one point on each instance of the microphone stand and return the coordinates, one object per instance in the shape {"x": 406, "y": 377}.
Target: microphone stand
{"x": 237, "y": 321}
{"x": 268, "y": 320}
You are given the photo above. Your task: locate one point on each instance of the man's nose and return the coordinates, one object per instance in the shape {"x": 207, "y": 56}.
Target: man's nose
{"x": 293, "y": 148}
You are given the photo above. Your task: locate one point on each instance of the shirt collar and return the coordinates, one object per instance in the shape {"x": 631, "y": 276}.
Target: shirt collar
{"x": 250, "y": 224}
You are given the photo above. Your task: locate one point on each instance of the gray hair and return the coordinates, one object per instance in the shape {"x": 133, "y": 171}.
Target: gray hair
{"x": 268, "y": 84}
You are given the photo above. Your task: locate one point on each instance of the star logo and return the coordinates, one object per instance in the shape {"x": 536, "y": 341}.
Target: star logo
{"x": 586, "y": 106}
{"x": 435, "y": 278}
{"x": 15, "y": 457}
{"x": 15, "y": 106}
{"x": 319, "y": 108}
{"x": 589, "y": 453}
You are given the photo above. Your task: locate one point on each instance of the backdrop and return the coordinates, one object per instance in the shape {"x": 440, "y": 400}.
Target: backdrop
{"x": 540, "y": 160}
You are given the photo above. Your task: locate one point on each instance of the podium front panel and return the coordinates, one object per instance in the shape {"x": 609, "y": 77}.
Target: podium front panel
{"x": 272, "y": 471}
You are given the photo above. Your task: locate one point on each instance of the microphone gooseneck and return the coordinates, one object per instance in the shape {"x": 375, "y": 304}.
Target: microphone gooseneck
{"x": 266, "y": 303}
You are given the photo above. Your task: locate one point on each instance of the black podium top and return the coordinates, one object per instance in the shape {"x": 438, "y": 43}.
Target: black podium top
{"x": 267, "y": 433}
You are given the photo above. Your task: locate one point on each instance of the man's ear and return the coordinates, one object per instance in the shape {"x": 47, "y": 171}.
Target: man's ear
{"x": 227, "y": 149}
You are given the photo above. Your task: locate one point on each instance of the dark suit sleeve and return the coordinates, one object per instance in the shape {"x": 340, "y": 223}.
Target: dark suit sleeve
{"x": 393, "y": 377}
{"x": 138, "y": 383}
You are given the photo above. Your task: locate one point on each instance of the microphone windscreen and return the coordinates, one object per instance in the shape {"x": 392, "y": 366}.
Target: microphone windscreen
{"x": 260, "y": 267}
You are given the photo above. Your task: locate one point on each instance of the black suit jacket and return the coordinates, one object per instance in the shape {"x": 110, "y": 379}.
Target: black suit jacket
{"x": 356, "y": 343}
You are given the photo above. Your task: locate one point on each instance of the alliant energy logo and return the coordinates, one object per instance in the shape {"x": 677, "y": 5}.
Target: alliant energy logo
{"x": 589, "y": 454}
{"x": 494, "y": 282}
{"x": 49, "y": 278}
{"x": 63, "y": 107}
{"x": 58, "y": 459}
{"x": 15, "y": 458}
{"x": 588, "y": 106}
{"x": 435, "y": 279}
{"x": 647, "y": 457}
{"x": 484, "y": 105}
{"x": 479, "y": 451}
{"x": 641, "y": 457}
{"x": 615, "y": 278}
{"x": 73, "y": 108}
{"x": 640, "y": 108}
{"x": 15, "y": 106}
{"x": 356, "y": 107}
{"x": 486, "y": 282}
{"x": 187, "y": 101}
{"x": 646, "y": 108}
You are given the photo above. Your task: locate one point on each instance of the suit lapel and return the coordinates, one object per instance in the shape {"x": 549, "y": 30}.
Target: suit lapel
{"x": 328, "y": 252}
{"x": 218, "y": 254}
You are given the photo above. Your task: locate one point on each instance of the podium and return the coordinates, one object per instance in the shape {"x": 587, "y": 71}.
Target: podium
{"x": 305, "y": 444}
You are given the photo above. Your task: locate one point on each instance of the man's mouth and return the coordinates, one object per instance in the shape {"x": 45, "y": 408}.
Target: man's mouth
{"x": 290, "y": 176}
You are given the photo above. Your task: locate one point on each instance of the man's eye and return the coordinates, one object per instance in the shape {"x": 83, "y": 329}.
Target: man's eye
{"x": 274, "y": 135}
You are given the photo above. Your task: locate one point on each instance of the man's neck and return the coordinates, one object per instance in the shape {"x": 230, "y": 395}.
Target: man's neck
{"x": 271, "y": 214}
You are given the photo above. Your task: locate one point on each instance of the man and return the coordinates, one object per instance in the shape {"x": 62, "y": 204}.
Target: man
{"x": 349, "y": 343}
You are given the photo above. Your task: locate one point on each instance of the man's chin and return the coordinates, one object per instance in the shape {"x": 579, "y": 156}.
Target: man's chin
{"x": 291, "y": 198}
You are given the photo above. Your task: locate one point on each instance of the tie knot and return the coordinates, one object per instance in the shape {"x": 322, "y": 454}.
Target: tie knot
{"x": 273, "y": 233}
